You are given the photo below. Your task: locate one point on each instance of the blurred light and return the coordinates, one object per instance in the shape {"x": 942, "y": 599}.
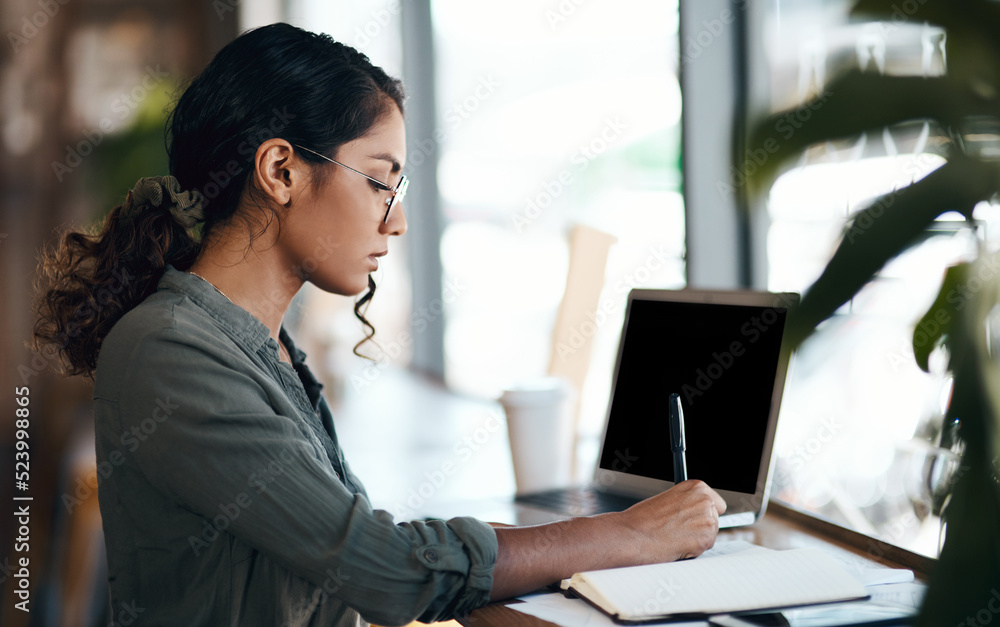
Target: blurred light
{"x": 527, "y": 20}
{"x": 831, "y": 190}
{"x": 21, "y": 132}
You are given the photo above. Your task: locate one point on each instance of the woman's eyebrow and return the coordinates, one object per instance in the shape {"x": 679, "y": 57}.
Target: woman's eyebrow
{"x": 384, "y": 156}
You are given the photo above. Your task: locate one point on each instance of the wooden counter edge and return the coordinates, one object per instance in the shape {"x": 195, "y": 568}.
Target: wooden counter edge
{"x": 872, "y": 548}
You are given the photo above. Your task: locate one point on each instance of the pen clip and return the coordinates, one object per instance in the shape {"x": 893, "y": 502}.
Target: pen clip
{"x": 676, "y": 423}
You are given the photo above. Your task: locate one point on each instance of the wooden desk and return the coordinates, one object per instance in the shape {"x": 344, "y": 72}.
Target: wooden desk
{"x": 780, "y": 528}
{"x": 400, "y": 432}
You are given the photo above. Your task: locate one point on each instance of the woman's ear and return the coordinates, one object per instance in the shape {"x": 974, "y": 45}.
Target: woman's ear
{"x": 276, "y": 173}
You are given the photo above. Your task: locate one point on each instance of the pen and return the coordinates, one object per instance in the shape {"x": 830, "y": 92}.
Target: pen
{"x": 677, "y": 444}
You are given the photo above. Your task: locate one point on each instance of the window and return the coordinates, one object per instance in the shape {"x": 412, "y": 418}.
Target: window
{"x": 860, "y": 423}
{"x": 552, "y": 115}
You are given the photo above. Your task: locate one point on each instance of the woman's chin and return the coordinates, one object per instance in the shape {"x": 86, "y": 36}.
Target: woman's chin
{"x": 363, "y": 287}
{"x": 353, "y": 288}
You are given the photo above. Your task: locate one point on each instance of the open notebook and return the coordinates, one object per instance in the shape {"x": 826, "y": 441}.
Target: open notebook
{"x": 750, "y": 580}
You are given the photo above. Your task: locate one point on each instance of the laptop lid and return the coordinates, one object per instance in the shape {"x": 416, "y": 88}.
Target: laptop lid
{"x": 723, "y": 352}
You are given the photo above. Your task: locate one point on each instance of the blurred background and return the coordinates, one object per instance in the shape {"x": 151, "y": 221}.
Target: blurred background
{"x": 524, "y": 120}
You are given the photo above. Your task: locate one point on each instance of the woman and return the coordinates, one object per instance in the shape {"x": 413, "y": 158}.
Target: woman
{"x": 230, "y": 502}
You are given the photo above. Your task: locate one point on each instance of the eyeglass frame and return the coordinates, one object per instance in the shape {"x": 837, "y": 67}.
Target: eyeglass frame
{"x": 398, "y": 192}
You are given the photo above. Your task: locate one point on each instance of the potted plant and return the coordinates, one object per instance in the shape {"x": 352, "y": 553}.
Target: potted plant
{"x": 965, "y": 104}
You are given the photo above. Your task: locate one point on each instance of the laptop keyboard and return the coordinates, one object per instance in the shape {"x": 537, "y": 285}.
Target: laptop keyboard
{"x": 581, "y": 501}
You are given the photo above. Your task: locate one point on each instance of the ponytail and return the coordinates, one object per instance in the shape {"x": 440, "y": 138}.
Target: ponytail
{"x": 92, "y": 279}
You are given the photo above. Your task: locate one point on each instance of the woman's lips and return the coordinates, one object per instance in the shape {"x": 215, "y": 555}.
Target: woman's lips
{"x": 374, "y": 258}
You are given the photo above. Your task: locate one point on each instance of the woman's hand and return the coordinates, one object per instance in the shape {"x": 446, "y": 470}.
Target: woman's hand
{"x": 679, "y": 523}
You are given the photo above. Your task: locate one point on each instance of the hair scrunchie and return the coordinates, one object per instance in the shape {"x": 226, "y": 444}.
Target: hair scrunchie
{"x": 164, "y": 192}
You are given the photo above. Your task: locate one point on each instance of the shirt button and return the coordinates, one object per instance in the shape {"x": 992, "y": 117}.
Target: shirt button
{"x": 431, "y": 555}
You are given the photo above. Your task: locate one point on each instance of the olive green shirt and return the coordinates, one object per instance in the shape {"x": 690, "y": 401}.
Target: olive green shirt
{"x": 225, "y": 497}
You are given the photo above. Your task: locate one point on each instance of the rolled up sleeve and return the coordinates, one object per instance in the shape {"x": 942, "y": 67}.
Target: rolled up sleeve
{"x": 214, "y": 443}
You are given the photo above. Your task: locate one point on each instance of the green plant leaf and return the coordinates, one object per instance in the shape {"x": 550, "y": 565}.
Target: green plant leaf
{"x": 967, "y": 574}
{"x": 886, "y": 228}
{"x": 935, "y": 325}
{"x": 850, "y": 105}
{"x": 965, "y": 578}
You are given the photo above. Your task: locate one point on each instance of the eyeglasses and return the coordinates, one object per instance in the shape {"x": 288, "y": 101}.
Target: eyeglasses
{"x": 397, "y": 193}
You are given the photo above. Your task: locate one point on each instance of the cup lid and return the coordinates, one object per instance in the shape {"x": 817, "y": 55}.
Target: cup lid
{"x": 537, "y": 391}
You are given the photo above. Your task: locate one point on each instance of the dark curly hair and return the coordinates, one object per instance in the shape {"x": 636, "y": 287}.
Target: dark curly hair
{"x": 273, "y": 81}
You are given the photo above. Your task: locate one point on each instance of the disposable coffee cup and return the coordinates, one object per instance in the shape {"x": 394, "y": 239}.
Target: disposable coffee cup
{"x": 539, "y": 424}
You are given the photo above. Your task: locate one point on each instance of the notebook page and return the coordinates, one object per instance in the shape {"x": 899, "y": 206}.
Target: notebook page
{"x": 727, "y": 583}
{"x": 729, "y": 547}
{"x": 720, "y": 548}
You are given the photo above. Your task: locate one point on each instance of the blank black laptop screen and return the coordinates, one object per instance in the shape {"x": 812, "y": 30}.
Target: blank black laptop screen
{"x": 722, "y": 360}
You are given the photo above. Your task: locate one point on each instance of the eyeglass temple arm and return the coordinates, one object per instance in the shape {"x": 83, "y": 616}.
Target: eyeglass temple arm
{"x": 322, "y": 156}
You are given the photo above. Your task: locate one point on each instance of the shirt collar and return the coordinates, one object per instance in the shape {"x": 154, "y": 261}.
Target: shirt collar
{"x": 233, "y": 319}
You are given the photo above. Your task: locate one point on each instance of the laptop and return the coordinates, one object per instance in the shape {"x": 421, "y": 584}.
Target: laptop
{"x": 723, "y": 353}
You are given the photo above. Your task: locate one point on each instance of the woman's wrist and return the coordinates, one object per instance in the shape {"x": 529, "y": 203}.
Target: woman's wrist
{"x": 620, "y": 538}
